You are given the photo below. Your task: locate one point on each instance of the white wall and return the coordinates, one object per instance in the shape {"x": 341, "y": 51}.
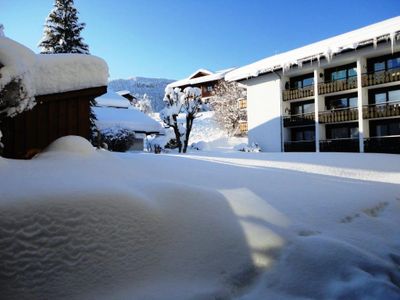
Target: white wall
{"x": 264, "y": 112}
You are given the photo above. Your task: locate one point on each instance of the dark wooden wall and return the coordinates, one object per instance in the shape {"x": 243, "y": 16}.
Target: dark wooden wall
{"x": 53, "y": 116}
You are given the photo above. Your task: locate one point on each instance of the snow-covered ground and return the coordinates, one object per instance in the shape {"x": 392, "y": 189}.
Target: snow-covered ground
{"x": 207, "y": 135}
{"x": 76, "y": 223}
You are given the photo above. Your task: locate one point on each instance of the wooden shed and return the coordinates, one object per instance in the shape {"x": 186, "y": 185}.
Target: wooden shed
{"x": 54, "y": 116}
{"x": 61, "y": 85}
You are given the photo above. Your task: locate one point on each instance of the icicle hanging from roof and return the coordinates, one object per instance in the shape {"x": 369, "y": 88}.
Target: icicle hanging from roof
{"x": 392, "y": 37}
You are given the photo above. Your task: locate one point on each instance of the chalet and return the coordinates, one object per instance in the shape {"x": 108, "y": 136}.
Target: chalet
{"x": 206, "y": 81}
{"x": 128, "y": 95}
{"x": 203, "y": 79}
{"x": 114, "y": 112}
{"x": 339, "y": 94}
{"x": 61, "y": 85}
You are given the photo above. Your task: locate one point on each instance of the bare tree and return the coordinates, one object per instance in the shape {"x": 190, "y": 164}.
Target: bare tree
{"x": 186, "y": 103}
{"x": 225, "y": 104}
{"x": 192, "y": 104}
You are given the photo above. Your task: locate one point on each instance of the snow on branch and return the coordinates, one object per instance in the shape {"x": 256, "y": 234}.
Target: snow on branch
{"x": 186, "y": 103}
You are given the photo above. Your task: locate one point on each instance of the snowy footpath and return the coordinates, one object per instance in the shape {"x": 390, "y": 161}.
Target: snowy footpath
{"x": 76, "y": 223}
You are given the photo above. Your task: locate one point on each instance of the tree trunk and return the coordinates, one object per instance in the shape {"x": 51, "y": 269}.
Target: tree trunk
{"x": 189, "y": 123}
{"x": 177, "y": 133}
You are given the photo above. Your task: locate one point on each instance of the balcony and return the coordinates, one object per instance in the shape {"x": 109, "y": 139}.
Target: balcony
{"x": 299, "y": 120}
{"x": 382, "y": 110}
{"x": 340, "y": 145}
{"x": 294, "y": 94}
{"x": 383, "y": 144}
{"x": 338, "y": 115}
{"x": 337, "y": 85}
{"x": 300, "y": 146}
{"x": 380, "y": 77}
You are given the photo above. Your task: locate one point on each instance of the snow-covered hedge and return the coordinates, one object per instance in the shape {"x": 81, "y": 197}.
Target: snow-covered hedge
{"x": 117, "y": 139}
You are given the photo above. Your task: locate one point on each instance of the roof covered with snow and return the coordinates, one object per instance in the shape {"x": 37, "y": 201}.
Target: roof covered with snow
{"x": 372, "y": 34}
{"x": 197, "y": 80}
{"x": 112, "y": 99}
{"x": 123, "y": 92}
{"x": 133, "y": 119}
{"x": 49, "y": 73}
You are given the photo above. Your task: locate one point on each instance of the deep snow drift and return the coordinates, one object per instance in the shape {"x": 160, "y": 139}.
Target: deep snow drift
{"x": 77, "y": 223}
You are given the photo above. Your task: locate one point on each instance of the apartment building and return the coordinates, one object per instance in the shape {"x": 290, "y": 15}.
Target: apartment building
{"x": 341, "y": 94}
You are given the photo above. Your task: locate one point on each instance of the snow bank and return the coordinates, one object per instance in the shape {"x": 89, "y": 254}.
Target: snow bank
{"x": 207, "y": 226}
{"x": 49, "y": 73}
{"x": 207, "y": 135}
{"x": 112, "y": 99}
{"x": 70, "y": 144}
{"x": 132, "y": 119}
{"x": 386, "y": 30}
{"x": 92, "y": 229}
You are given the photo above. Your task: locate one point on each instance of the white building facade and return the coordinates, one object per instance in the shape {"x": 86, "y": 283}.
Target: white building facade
{"x": 340, "y": 94}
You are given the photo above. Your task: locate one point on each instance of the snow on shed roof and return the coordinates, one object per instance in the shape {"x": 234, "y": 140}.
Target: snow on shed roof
{"x": 133, "y": 119}
{"x": 372, "y": 34}
{"x": 123, "y": 92}
{"x": 49, "y": 73}
{"x": 112, "y": 99}
{"x": 207, "y": 78}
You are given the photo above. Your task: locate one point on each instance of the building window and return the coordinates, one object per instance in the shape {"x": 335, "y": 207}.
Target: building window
{"x": 243, "y": 127}
{"x": 301, "y": 82}
{"x": 383, "y": 96}
{"x": 342, "y": 101}
{"x": 341, "y": 73}
{"x": 303, "y": 134}
{"x": 342, "y": 131}
{"x": 210, "y": 88}
{"x": 384, "y": 63}
{"x": 300, "y": 108}
{"x": 385, "y": 127}
{"x": 242, "y": 103}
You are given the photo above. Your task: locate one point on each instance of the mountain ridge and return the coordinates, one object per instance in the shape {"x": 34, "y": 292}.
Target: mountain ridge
{"x": 138, "y": 86}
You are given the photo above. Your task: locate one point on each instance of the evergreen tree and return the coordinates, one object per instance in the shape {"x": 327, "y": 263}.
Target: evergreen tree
{"x": 62, "y": 35}
{"x": 62, "y": 30}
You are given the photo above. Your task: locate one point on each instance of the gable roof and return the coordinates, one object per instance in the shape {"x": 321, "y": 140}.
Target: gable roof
{"x": 197, "y": 80}
{"x": 200, "y": 73}
{"x": 112, "y": 99}
{"x": 369, "y": 35}
{"x": 132, "y": 119}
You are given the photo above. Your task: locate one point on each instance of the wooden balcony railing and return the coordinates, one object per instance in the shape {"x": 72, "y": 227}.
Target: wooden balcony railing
{"x": 340, "y": 145}
{"x": 381, "y": 110}
{"x": 300, "y": 146}
{"x": 294, "y": 94}
{"x": 299, "y": 120}
{"x": 383, "y": 144}
{"x": 337, "y": 85}
{"x": 380, "y": 77}
{"x": 338, "y": 115}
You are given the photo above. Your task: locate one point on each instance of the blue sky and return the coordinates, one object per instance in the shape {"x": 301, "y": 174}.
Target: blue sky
{"x": 173, "y": 38}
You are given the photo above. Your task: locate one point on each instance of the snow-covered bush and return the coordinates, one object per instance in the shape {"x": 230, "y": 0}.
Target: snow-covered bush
{"x": 177, "y": 102}
{"x": 17, "y": 91}
{"x": 159, "y": 143}
{"x": 248, "y": 148}
{"x": 117, "y": 139}
{"x": 225, "y": 104}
